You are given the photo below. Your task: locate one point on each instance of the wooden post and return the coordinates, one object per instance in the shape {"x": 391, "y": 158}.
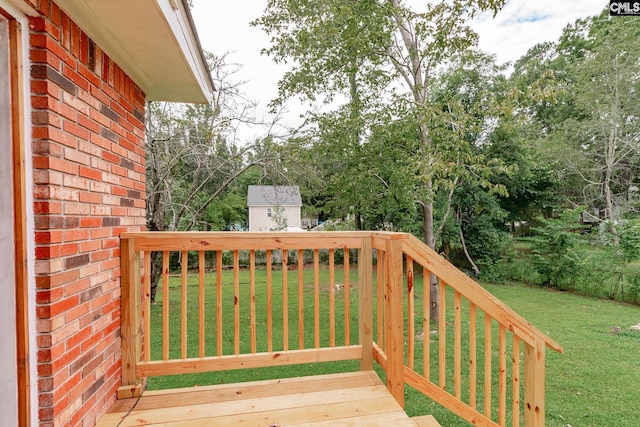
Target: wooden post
{"x": 130, "y": 325}
{"x": 19, "y": 223}
{"x": 365, "y": 303}
{"x": 394, "y": 330}
{"x": 534, "y": 384}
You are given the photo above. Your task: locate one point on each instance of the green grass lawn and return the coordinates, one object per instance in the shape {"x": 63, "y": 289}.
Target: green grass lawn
{"x": 596, "y": 382}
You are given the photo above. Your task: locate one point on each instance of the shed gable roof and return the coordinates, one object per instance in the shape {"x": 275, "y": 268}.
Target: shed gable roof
{"x": 154, "y": 42}
{"x": 273, "y": 195}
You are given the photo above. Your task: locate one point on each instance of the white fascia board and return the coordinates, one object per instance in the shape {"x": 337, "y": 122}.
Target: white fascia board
{"x": 152, "y": 42}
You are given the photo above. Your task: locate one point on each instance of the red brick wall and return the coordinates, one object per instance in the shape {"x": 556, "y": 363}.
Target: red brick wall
{"x": 89, "y": 186}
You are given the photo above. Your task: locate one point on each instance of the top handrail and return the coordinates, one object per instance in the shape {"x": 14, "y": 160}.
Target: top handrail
{"x": 459, "y": 281}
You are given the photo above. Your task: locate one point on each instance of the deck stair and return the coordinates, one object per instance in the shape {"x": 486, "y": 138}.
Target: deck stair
{"x": 425, "y": 421}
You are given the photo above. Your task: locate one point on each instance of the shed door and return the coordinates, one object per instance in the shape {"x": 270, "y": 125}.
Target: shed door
{"x": 8, "y": 342}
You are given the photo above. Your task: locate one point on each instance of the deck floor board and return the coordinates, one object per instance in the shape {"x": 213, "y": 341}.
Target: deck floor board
{"x": 350, "y": 399}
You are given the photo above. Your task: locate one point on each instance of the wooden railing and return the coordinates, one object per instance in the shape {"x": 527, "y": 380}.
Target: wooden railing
{"x": 256, "y": 300}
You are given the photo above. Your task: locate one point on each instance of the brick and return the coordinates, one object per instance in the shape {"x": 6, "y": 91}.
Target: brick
{"x": 93, "y": 198}
{"x": 45, "y": 72}
{"x": 49, "y": 236}
{"x": 75, "y": 235}
{"x": 90, "y": 222}
{"x": 41, "y": 56}
{"x": 76, "y": 261}
{"x": 56, "y": 308}
{"x": 75, "y": 78}
{"x": 84, "y": 121}
{"x": 76, "y": 130}
{"x": 89, "y": 173}
{"x": 109, "y": 134}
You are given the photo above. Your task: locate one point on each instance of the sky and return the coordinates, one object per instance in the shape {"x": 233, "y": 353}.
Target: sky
{"x": 223, "y": 26}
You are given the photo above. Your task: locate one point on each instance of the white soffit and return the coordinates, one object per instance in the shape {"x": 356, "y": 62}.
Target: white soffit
{"x": 153, "y": 41}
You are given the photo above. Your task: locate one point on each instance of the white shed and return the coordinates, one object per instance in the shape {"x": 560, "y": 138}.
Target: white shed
{"x": 273, "y": 207}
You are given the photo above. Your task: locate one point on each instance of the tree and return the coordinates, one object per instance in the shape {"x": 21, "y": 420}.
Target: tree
{"x": 193, "y": 160}
{"x": 591, "y": 133}
{"x": 380, "y": 55}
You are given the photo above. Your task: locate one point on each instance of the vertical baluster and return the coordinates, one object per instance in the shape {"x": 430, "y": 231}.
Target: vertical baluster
{"x": 487, "y": 365}
{"x": 236, "y": 302}
{"x": 442, "y": 333}
{"x": 285, "y": 300}
{"x": 411, "y": 313}
{"x": 252, "y": 298}
{"x": 269, "y": 302}
{"x": 300, "y": 299}
{"x": 347, "y": 301}
{"x": 380, "y": 296}
{"x": 473, "y": 358}
{"x": 426, "y": 323}
{"x": 332, "y": 299}
{"x": 316, "y": 297}
{"x": 201, "y": 314}
{"x": 165, "y": 305}
{"x": 502, "y": 379}
{"x": 457, "y": 346}
{"x": 219, "y": 303}
{"x": 184, "y": 270}
{"x": 147, "y": 306}
{"x": 515, "y": 382}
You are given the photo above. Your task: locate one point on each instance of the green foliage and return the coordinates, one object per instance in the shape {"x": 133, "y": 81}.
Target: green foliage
{"x": 556, "y": 255}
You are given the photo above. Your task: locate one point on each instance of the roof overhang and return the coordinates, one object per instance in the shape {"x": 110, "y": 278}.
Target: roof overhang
{"x": 154, "y": 41}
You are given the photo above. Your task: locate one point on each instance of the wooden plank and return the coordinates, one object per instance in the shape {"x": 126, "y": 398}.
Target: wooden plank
{"x": 300, "y": 299}
{"x": 502, "y": 376}
{"x": 381, "y": 411}
{"x": 446, "y": 399}
{"x": 365, "y": 305}
{"x": 380, "y": 290}
{"x": 332, "y": 299}
{"x": 473, "y": 358}
{"x": 236, "y": 302}
{"x": 201, "y": 305}
{"x": 219, "y": 303}
{"x": 457, "y": 345}
{"x": 213, "y": 241}
{"x": 347, "y": 298}
{"x": 252, "y": 299}
{"x": 147, "y": 306}
{"x": 442, "y": 333}
{"x": 244, "y": 361}
{"x": 487, "y": 364}
{"x": 20, "y": 220}
{"x": 183, "y": 303}
{"x": 426, "y": 323}
{"x": 165, "y": 305}
{"x": 153, "y": 399}
{"x": 425, "y": 421}
{"x": 310, "y": 405}
{"x": 411, "y": 335}
{"x": 269, "y": 302}
{"x": 285, "y": 300}
{"x": 534, "y": 383}
{"x": 394, "y": 322}
{"x": 515, "y": 383}
{"x": 316, "y": 298}
{"x": 129, "y": 280}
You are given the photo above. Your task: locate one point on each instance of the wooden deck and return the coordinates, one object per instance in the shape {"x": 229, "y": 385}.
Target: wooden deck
{"x": 350, "y": 399}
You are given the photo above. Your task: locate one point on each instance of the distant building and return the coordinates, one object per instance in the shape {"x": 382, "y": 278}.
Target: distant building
{"x": 273, "y": 207}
